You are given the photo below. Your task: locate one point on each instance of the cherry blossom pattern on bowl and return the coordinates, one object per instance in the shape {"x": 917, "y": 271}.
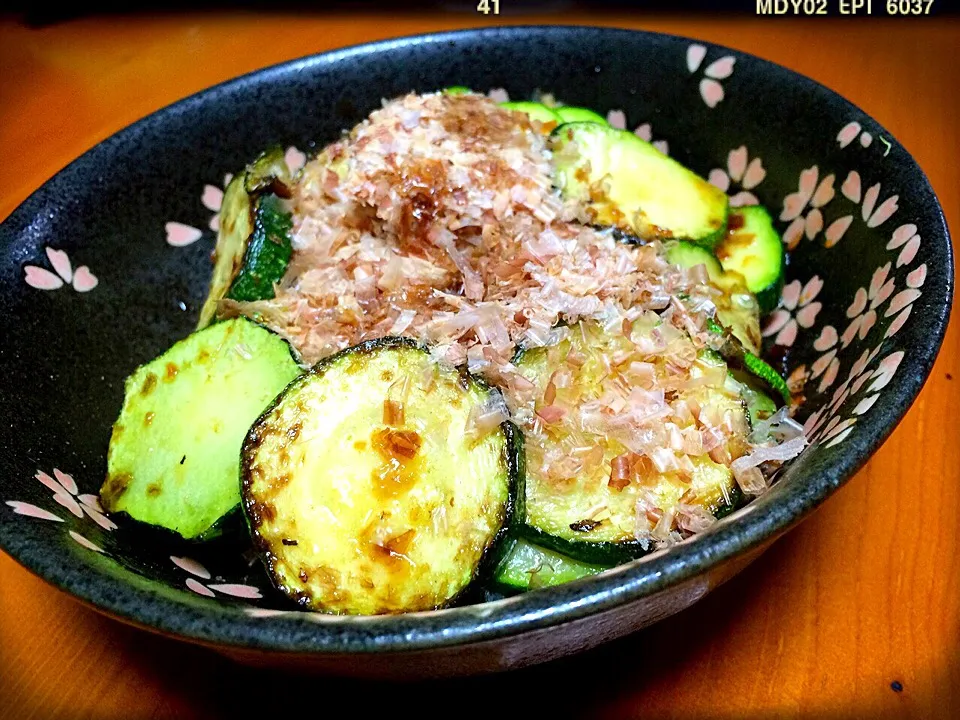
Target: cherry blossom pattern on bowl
{"x": 711, "y": 90}
{"x": 81, "y": 279}
{"x": 208, "y": 589}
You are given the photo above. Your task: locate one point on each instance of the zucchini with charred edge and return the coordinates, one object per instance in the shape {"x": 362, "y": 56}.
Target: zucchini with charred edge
{"x": 537, "y": 111}
{"x": 173, "y": 455}
{"x": 529, "y": 567}
{"x": 736, "y": 354}
{"x": 561, "y": 513}
{"x": 268, "y": 252}
{"x": 371, "y": 487}
{"x": 625, "y": 181}
{"x": 268, "y": 173}
{"x": 753, "y": 249}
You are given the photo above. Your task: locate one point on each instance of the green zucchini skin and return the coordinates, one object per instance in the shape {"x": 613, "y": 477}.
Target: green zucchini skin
{"x": 572, "y": 113}
{"x": 624, "y": 181}
{"x": 333, "y": 566}
{"x": 172, "y": 459}
{"x": 753, "y": 248}
{"x": 529, "y": 567}
{"x": 536, "y": 111}
{"x": 598, "y": 553}
{"x": 268, "y": 252}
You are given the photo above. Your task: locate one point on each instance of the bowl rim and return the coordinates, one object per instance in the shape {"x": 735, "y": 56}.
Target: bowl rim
{"x": 204, "y": 622}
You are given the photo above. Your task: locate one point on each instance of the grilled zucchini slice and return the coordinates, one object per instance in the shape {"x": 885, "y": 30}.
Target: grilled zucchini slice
{"x": 583, "y": 513}
{"x": 626, "y": 182}
{"x": 366, "y": 488}
{"x": 253, "y": 243}
{"x": 173, "y": 460}
{"x": 537, "y": 111}
{"x": 529, "y": 567}
{"x": 571, "y": 113}
{"x": 753, "y": 249}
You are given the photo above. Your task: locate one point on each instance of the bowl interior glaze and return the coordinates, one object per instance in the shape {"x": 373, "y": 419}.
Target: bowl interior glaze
{"x": 106, "y": 265}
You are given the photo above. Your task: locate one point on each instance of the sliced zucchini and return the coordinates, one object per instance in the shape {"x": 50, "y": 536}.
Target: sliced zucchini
{"x": 368, "y": 488}
{"x": 571, "y": 113}
{"x": 238, "y": 221}
{"x": 752, "y": 248}
{"x": 582, "y": 512}
{"x": 625, "y": 181}
{"x": 537, "y": 111}
{"x": 529, "y": 567}
{"x": 268, "y": 252}
{"x": 737, "y": 309}
{"x": 173, "y": 455}
{"x": 457, "y": 90}
{"x": 765, "y": 372}
{"x": 759, "y": 405}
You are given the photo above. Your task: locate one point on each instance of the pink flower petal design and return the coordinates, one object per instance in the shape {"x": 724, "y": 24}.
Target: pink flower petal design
{"x": 808, "y": 181}
{"x": 744, "y": 198}
{"x": 869, "y": 200}
{"x": 811, "y": 289}
{"x": 839, "y": 438}
{"x": 830, "y": 376}
{"x": 901, "y": 235}
{"x": 825, "y": 192}
{"x": 662, "y": 146}
{"x": 788, "y": 335}
{"x": 644, "y": 132}
{"x": 848, "y": 133}
{"x": 836, "y": 230}
{"x": 793, "y": 205}
{"x": 778, "y": 318}
{"x": 191, "y": 566}
{"x": 839, "y": 428}
{"x": 901, "y": 300}
{"x": 822, "y": 363}
{"x": 812, "y": 422}
{"x": 180, "y": 235}
{"x": 865, "y": 404}
{"x": 718, "y": 178}
{"x": 61, "y": 263}
{"x": 28, "y": 510}
{"x": 84, "y": 280}
{"x": 831, "y": 425}
{"x": 711, "y": 91}
{"x": 851, "y": 187}
{"x": 294, "y": 159}
{"x": 792, "y": 235}
{"x": 909, "y": 251}
{"x": 860, "y": 365}
{"x": 212, "y": 197}
{"x": 866, "y": 139}
{"x": 40, "y": 278}
{"x": 885, "y": 292}
{"x": 791, "y": 294}
{"x": 69, "y": 503}
{"x": 49, "y": 482}
{"x": 814, "y": 223}
{"x": 887, "y": 369}
{"x": 617, "y": 119}
{"x": 199, "y": 588}
{"x": 878, "y": 280}
{"x": 99, "y": 518}
{"x": 498, "y": 95}
{"x": 721, "y": 69}
{"x": 695, "y": 55}
{"x": 898, "y": 322}
{"x": 826, "y": 340}
{"x": 851, "y": 332}
{"x": 917, "y": 277}
{"x": 214, "y": 223}
{"x": 867, "y": 323}
{"x": 91, "y": 501}
{"x": 884, "y": 212}
{"x": 81, "y": 540}
{"x": 256, "y": 612}
{"x": 227, "y": 178}
{"x": 859, "y": 303}
{"x": 737, "y": 163}
{"x": 807, "y": 316}
{"x": 241, "y": 591}
{"x": 66, "y": 481}
{"x": 754, "y": 175}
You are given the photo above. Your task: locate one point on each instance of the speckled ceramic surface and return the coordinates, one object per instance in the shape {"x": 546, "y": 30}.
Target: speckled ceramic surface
{"x": 106, "y": 265}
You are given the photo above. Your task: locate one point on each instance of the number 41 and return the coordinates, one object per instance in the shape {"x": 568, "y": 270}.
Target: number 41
{"x": 484, "y": 7}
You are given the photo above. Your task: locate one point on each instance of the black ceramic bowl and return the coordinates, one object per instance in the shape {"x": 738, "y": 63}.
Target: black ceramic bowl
{"x": 101, "y": 269}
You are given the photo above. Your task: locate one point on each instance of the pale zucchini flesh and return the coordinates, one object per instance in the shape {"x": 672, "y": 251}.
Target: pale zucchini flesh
{"x": 360, "y": 510}
{"x": 173, "y": 459}
{"x": 626, "y": 182}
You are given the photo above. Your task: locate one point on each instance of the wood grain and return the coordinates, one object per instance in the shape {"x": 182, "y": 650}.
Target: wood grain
{"x": 863, "y": 594}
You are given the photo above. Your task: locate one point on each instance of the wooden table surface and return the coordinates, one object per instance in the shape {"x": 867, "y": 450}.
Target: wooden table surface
{"x": 862, "y": 596}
